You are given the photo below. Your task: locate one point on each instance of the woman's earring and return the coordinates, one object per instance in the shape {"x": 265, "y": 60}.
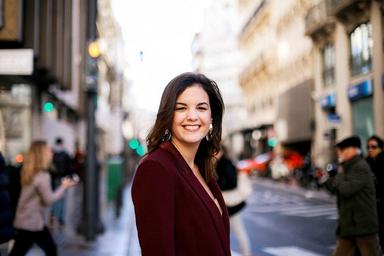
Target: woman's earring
{"x": 166, "y": 136}
{"x": 208, "y": 137}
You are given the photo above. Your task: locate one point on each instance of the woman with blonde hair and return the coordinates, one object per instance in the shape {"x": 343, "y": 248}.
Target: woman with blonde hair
{"x": 35, "y": 198}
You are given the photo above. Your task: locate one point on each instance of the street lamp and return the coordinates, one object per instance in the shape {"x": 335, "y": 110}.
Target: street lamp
{"x": 91, "y": 191}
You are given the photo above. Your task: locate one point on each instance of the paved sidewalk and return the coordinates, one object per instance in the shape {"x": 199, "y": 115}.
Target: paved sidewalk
{"x": 119, "y": 238}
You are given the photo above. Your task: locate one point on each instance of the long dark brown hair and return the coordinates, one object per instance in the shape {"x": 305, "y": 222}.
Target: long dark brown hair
{"x": 207, "y": 149}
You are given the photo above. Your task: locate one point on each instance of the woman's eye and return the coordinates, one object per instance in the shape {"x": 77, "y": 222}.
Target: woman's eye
{"x": 202, "y": 108}
{"x": 179, "y": 108}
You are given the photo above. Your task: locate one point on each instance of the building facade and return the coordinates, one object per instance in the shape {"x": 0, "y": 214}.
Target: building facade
{"x": 276, "y": 75}
{"x": 42, "y": 72}
{"x": 348, "y": 71}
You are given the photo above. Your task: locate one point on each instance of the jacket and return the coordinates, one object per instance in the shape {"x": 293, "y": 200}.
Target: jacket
{"x": 174, "y": 214}
{"x": 356, "y": 199}
{"x": 377, "y": 167}
{"x": 34, "y": 202}
{"x": 6, "y": 214}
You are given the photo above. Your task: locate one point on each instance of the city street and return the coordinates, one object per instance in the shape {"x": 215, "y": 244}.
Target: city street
{"x": 284, "y": 220}
{"x": 281, "y": 220}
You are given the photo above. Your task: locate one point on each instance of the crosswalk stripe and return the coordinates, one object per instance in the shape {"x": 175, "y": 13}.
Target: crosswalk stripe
{"x": 235, "y": 253}
{"x": 289, "y": 251}
{"x": 312, "y": 214}
{"x": 308, "y": 209}
{"x": 275, "y": 208}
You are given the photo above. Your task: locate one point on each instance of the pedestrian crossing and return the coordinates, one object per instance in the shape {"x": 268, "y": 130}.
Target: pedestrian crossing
{"x": 289, "y": 251}
{"x": 290, "y": 205}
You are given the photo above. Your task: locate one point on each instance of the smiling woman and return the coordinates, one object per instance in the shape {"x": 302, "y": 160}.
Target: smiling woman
{"x": 178, "y": 205}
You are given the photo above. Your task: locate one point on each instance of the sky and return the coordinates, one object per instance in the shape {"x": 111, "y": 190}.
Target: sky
{"x": 163, "y": 31}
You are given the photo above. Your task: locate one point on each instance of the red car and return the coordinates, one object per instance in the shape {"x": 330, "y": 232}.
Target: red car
{"x": 259, "y": 163}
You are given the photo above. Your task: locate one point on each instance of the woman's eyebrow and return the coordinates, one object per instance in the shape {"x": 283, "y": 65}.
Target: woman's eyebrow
{"x": 198, "y": 104}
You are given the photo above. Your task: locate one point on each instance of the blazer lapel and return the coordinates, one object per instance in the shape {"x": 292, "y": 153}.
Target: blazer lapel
{"x": 187, "y": 174}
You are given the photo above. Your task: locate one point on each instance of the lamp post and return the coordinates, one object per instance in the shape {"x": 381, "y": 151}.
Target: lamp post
{"x": 90, "y": 211}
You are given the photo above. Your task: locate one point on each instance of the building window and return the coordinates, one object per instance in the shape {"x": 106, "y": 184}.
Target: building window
{"x": 361, "y": 49}
{"x": 328, "y": 64}
{"x": 362, "y": 118}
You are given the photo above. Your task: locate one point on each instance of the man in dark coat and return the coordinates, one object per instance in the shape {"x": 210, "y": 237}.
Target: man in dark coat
{"x": 6, "y": 214}
{"x": 375, "y": 159}
{"x": 357, "y": 224}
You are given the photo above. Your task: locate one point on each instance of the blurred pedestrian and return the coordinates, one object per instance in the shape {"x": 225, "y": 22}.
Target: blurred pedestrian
{"x": 6, "y": 214}
{"x": 227, "y": 181}
{"x": 35, "y": 198}
{"x": 62, "y": 167}
{"x": 375, "y": 159}
{"x": 357, "y": 223}
{"x": 178, "y": 204}
{"x": 78, "y": 162}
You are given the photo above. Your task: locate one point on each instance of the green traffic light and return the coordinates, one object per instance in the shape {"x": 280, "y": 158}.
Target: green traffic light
{"x": 272, "y": 142}
{"x": 140, "y": 150}
{"x": 48, "y": 107}
{"x": 134, "y": 143}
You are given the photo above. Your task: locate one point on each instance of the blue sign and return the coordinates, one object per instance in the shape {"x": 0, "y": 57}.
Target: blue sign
{"x": 328, "y": 101}
{"x": 361, "y": 90}
{"x": 334, "y": 118}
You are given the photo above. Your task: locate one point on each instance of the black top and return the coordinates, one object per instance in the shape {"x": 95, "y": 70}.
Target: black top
{"x": 377, "y": 167}
{"x": 227, "y": 180}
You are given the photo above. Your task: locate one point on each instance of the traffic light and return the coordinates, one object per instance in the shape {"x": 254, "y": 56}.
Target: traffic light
{"x": 93, "y": 49}
{"x": 272, "y": 142}
{"x": 140, "y": 150}
{"x": 92, "y": 70}
{"x": 135, "y": 145}
{"x": 48, "y": 106}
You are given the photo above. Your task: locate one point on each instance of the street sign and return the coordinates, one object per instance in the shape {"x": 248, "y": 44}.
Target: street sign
{"x": 16, "y": 62}
{"x": 334, "y": 120}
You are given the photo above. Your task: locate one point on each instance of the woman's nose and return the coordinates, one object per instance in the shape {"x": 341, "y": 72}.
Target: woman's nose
{"x": 192, "y": 114}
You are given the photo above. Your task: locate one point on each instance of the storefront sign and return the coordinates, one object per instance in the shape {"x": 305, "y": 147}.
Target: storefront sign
{"x": 16, "y": 62}
{"x": 360, "y": 90}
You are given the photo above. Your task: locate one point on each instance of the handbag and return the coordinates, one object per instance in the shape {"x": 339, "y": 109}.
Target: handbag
{"x": 240, "y": 193}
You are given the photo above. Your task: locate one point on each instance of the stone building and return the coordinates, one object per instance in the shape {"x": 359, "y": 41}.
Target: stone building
{"x": 276, "y": 75}
{"x": 348, "y": 71}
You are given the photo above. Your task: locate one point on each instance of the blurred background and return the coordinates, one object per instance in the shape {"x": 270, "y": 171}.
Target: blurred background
{"x": 295, "y": 75}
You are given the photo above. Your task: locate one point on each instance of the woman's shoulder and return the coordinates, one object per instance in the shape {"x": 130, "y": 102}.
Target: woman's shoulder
{"x": 159, "y": 155}
{"x": 42, "y": 176}
{"x": 165, "y": 158}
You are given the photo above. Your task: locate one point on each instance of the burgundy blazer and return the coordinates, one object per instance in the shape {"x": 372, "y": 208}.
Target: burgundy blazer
{"x": 174, "y": 214}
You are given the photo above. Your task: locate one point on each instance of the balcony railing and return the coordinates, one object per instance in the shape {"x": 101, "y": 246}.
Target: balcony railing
{"x": 316, "y": 18}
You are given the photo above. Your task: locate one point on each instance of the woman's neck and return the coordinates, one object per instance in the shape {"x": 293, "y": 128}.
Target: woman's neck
{"x": 187, "y": 152}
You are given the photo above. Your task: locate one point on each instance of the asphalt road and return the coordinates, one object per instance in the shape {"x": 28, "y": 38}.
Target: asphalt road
{"x": 283, "y": 221}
